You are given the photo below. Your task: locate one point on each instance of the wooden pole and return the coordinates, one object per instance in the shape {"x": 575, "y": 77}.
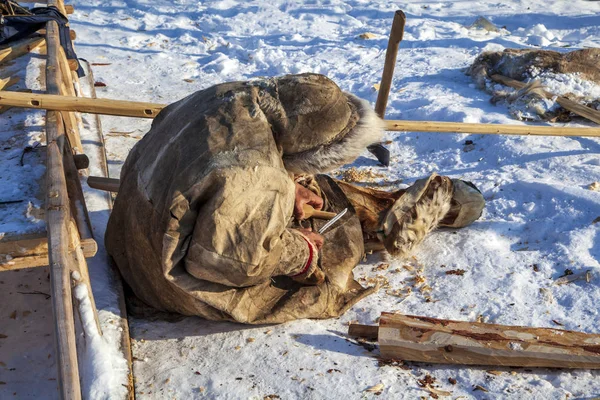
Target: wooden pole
{"x": 573, "y": 106}
{"x": 54, "y": 82}
{"x": 396, "y": 35}
{"x": 81, "y": 104}
{"x": 487, "y": 129}
{"x": 413, "y": 338}
{"x": 57, "y": 216}
{"x": 19, "y": 48}
{"x": 150, "y": 110}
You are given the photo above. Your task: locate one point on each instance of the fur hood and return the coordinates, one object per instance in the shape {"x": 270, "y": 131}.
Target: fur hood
{"x": 317, "y": 126}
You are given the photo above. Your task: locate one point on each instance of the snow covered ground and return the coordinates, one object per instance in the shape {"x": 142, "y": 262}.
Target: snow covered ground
{"x": 538, "y": 220}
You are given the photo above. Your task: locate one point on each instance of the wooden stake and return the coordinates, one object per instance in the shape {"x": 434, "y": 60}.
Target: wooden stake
{"x": 486, "y": 129}
{"x": 413, "y": 338}
{"x": 57, "y": 215}
{"x": 573, "y": 106}
{"x": 396, "y": 35}
{"x": 19, "y": 48}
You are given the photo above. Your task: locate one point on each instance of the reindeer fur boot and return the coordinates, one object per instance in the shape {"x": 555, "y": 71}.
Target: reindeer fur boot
{"x": 398, "y": 221}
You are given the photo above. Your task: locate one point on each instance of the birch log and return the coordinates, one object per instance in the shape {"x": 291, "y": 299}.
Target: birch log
{"x": 431, "y": 340}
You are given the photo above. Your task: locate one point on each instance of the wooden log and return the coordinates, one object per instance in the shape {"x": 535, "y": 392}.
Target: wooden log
{"x": 413, "y": 338}
{"x": 38, "y": 257}
{"x": 8, "y": 82}
{"x": 19, "y": 48}
{"x": 101, "y": 183}
{"x": 396, "y": 35}
{"x": 57, "y": 215}
{"x": 54, "y": 81}
{"x": 573, "y": 106}
{"x": 81, "y": 104}
{"x": 486, "y": 129}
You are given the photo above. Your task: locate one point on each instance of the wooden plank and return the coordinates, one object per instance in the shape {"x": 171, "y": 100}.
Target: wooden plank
{"x": 485, "y": 129}
{"x": 57, "y": 215}
{"x": 27, "y": 253}
{"x": 432, "y": 340}
{"x": 19, "y": 48}
{"x": 8, "y": 82}
{"x": 396, "y": 35}
{"x": 573, "y": 106}
{"x": 23, "y": 245}
{"x": 38, "y": 257}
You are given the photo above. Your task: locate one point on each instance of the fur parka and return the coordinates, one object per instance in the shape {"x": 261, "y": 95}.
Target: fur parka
{"x": 200, "y": 225}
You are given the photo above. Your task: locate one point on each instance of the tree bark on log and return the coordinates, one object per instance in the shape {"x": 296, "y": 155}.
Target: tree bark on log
{"x": 432, "y": 340}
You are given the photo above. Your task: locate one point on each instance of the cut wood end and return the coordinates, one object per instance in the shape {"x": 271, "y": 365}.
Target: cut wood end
{"x": 370, "y": 332}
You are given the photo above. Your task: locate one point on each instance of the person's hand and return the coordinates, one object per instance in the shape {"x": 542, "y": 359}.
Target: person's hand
{"x": 305, "y": 196}
{"x": 316, "y": 239}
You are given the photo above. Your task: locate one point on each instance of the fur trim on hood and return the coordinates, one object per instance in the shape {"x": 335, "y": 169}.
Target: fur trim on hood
{"x": 343, "y": 150}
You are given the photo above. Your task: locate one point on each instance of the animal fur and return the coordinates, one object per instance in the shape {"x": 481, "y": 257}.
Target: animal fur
{"x": 405, "y": 229}
{"x": 368, "y": 130}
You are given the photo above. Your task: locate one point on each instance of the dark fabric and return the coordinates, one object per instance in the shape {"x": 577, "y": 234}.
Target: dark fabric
{"x": 16, "y": 27}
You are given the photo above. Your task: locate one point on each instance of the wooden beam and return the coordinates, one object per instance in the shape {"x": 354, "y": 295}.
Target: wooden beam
{"x": 486, "y": 129}
{"x": 38, "y": 256}
{"x": 57, "y": 216}
{"x": 396, "y": 35}
{"x": 69, "y": 8}
{"x": 81, "y": 104}
{"x": 573, "y": 106}
{"x": 8, "y": 82}
{"x": 413, "y": 338}
{"x": 19, "y": 48}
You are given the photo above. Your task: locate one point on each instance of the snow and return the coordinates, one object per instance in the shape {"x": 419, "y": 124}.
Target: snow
{"x": 23, "y": 162}
{"x": 538, "y": 220}
{"x": 538, "y": 217}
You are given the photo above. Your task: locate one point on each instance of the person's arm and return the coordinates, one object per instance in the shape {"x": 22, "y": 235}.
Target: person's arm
{"x": 241, "y": 239}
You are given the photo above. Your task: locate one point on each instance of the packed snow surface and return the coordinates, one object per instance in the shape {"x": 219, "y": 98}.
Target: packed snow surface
{"x": 538, "y": 221}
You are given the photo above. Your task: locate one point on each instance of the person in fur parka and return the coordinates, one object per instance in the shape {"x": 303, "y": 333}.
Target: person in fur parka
{"x": 203, "y": 221}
